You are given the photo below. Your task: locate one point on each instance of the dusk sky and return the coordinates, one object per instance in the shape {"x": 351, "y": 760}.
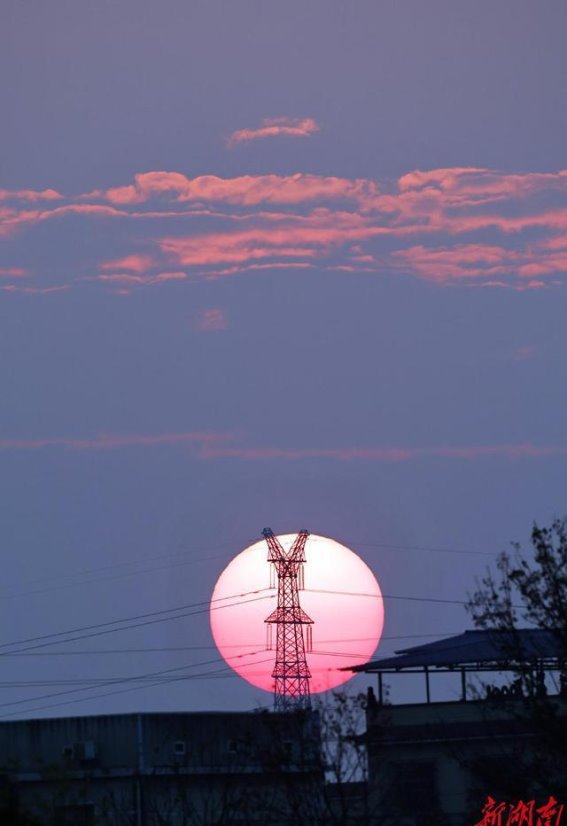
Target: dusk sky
{"x": 287, "y": 264}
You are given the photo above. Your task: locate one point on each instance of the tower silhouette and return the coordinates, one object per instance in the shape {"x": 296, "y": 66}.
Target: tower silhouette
{"x": 291, "y": 673}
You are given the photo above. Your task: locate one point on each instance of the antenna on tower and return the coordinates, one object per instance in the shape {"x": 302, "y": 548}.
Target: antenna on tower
{"x": 291, "y": 673}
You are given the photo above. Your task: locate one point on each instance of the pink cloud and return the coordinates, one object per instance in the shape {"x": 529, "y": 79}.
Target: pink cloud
{"x": 464, "y": 261}
{"x": 211, "y": 320}
{"x": 480, "y": 261}
{"x": 250, "y": 267}
{"x": 12, "y": 272}
{"x": 169, "y": 276}
{"x": 288, "y": 238}
{"x": 550, "y": 220}
{"x": 209, "y": 446}
{"x": 388, "y": 455}
{"x": 446, "y": 178}
{"x": 557, "y": 243}
{"x": 433, "y": 223}
{"x": 112, "y": 442}
{"x": 533, "y": 284}
{"x": 82, "y": 209}
{"x": 29, "y": 195}
{"x": 524, "y": 352}
{"x": 246, "y": 190}
{"x": 133, "y": 279}
{"x": 274, "y": 127}
{"x": 485, "y": 184}
{"x": 13, "y": 219}
{"x": 134, "y": 263}
{"x": 126, "y": 278}
{"x": 12, "y": 288}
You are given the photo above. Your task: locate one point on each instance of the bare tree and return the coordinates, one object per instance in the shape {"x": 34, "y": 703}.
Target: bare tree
{"x": 531, "y": 591}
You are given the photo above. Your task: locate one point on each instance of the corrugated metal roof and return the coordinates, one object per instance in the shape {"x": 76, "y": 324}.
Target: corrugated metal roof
{"x": 482, "y": 647}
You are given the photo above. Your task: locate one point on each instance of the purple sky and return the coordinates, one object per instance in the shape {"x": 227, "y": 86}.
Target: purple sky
{"x": 293, "y": 264}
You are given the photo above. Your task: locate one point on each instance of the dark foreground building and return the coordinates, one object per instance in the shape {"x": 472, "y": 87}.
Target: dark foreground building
{"x": 503, "y": 735}
{"x": 159, "y": 769}
{"x": 432, "y": 763}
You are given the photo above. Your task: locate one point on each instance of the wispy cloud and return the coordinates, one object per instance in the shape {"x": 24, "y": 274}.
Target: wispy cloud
{"x": 16, "y": 288}
{"x": 211, "y": 446}
{"x": 124, "y": 282}
{"x": 386, "y": 454}
{"x": 129, "y": 263}
{"x": 197, "y": 439}
{"x": 484, "y": 261}
{"x": 274, "y": 127}
{"x": 525, "y": 352}
{"x": 33, "y": 195}
{"x": 210, "y": 320}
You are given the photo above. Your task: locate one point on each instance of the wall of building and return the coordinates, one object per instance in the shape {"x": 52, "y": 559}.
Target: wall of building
{"x": 156, "y": 769}
{"x": 441, "y": 760}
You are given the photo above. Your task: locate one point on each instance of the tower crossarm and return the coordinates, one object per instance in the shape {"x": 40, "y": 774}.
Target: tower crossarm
{"x": 276, "y": 552}
{"x": 297, "y": 551}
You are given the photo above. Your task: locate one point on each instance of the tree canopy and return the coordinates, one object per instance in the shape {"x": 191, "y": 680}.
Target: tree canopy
{"x": 529, "y": 590}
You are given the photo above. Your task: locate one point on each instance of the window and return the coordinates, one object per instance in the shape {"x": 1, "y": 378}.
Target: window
{"x": 89, "y": 750}
{"x": 412, "y": 787}
{"x": 179, "y": 748}
{"x": 69, "y": 752}
{"x": 504, "y": 773}
{"x": 232, "y": 747}
{"x": 420, "y": 784}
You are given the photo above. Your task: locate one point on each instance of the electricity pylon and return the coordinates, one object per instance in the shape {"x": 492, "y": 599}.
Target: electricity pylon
{"x": 291, "y": 673}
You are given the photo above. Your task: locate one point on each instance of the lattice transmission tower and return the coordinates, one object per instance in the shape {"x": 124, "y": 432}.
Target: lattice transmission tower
{"x": 291, "y": 673}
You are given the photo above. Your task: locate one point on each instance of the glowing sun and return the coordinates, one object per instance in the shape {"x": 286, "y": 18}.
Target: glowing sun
{"x": 341, "y": 595}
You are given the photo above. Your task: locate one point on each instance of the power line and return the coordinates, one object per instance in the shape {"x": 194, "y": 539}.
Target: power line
{"x": 385, "y": 596}
{"x": 134, "y": 678}
{"x": 205, "y": 675}
{"x": 136, "y": 624}
{"x": 162, "y": 680}
{"x": 159, "y": 678}
{"x": 184, "y": 614}
{"x": 178, "y": 648}
{"x": 424, "y": 548}
{"x": 136, "y": 561}
{"x": 394, "y": 596}
{"x": 133, "y": 617}
{"x": 174, "y": 564}
{"x": 108, "y": 578}
{"x": 179, "y": 563}
{"x": 86, "y": 683}
{"x": 206, "y": 604}
{"x": 98, "y": 681}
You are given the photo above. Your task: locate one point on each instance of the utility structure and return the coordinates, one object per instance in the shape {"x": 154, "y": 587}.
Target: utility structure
{"x": 291, "y": 673}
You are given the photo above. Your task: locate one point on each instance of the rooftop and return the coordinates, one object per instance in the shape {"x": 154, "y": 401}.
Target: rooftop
{"x": 485, "y": 650}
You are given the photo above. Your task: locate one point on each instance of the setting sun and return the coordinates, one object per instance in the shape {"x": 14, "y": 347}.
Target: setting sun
{"x": 341, "y": 595}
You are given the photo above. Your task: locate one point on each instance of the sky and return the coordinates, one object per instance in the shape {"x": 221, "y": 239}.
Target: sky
{"x": 297, "y": 265}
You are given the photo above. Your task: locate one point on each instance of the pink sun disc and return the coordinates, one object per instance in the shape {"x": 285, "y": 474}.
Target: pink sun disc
{"x": 341, "y": 596}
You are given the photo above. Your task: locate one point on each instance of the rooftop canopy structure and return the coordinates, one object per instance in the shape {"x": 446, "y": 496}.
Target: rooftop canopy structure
{"x": 531, "y": 652}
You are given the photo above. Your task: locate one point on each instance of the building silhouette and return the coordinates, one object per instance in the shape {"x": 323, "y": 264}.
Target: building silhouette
{"x": 432, "y": 763}
{"x": 157, "y": 769}
{"x": 436, "y": 762}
